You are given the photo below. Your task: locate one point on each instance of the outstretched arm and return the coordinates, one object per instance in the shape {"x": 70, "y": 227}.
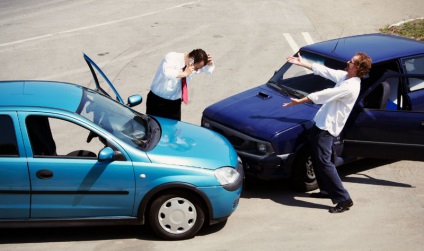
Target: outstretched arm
{"x": 295, "y": 101}
{"x": 299, "y": 61}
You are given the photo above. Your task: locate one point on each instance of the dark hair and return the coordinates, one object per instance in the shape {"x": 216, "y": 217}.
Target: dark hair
{"x": 364, "y": 64}
{"x": 199, "y": 55}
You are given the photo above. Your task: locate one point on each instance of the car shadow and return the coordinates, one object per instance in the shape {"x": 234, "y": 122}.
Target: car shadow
{"x": 92, "y": 233}
{"x": 366, "y": 164}
{"x": 69, "y": 234}
{"x": 280, "y": 191}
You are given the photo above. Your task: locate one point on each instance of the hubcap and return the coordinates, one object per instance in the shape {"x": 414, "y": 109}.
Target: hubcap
{"x": 177, "y": 215}
{"x": 309, "y": 169}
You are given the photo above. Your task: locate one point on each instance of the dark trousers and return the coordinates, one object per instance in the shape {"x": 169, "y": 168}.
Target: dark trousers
{"x": 161, "y": 107}
{"x": 325, "y": 171}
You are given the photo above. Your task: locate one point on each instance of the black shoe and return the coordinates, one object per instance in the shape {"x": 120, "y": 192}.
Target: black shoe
{"x": 319, "y": 195}
{"x": 341, "y": 206}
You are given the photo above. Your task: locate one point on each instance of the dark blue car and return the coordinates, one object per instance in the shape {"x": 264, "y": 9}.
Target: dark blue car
{"x": 386, "y": 122}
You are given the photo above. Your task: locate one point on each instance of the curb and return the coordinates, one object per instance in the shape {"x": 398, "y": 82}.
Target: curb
{"x": 406, "y": 21}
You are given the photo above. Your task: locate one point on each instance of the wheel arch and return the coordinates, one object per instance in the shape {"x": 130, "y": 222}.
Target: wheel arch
{"x": 172, "y": 187}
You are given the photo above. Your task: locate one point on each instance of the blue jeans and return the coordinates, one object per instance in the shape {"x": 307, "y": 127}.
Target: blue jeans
{"x": 328, "y": 179}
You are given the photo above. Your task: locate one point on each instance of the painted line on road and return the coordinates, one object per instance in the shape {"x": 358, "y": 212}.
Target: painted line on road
{"x": 98, "y": 25}
{"x": 307, "y": 38}
{"x": 291, "y": 42}
{"x": 293, "y": 45}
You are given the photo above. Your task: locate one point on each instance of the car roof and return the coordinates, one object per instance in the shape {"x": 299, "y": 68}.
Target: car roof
{"x": 50, "y": 94}
{"x": 380, "y": 47}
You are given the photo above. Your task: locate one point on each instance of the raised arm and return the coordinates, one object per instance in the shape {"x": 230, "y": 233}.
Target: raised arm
{"x": 299, "y": 61}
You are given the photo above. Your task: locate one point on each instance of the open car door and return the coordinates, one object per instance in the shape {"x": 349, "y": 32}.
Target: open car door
{"x": 94, "y": 68}
{"x": 133, "y": 100}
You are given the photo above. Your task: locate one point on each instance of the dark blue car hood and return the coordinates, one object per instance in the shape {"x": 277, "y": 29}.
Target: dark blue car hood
{"x": 258, "y": 112}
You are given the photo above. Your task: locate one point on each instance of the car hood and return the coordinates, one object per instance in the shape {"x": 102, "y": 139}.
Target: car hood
{"x": 258, "y": 112}
{"x": 190, "y": 145}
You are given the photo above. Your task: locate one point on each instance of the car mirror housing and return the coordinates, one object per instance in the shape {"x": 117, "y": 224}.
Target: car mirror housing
{"x": 134, "y": 100}
{"x": 106, "y": 154}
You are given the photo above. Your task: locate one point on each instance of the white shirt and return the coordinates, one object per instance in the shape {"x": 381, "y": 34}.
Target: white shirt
{"x": 165, "y": 83}
{"x": 337, "y": 101}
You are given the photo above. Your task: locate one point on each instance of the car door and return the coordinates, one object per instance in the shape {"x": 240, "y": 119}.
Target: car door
{"x": 67, "y": 180}
{"x": 395, "y": 131}
{"x": 105, "y": 88}
{"x": 14, "y": 179}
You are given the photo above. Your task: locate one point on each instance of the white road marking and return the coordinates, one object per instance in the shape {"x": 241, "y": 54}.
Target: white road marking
{"x": 307, "y": 38}
{"x": 293, "y": 45}
{"x": 97, "y": 25}
{"x": 291, "y": 42}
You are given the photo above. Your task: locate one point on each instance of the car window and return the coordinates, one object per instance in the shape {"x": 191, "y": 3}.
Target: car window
{"x": 8, "y": 144}
{"x": 415, "y": 66}
{"x": 53, "y": 137}
{"x": 416, "y": 97}
{"x": 384, "y": 95}
{"x": 388, "y": 93}
{"x": 119, "y": 120}
{"x": 297, "y": 80}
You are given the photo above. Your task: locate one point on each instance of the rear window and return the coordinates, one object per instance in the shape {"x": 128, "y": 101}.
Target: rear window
{"x": 8, "y": 144}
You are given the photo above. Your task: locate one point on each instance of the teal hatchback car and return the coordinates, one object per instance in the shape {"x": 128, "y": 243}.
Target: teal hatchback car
{"x": 72, "y": 156}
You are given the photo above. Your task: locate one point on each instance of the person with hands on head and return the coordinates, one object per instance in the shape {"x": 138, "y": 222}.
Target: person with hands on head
{"x": 169, "y": 85}
{"x": 337, "y": 104}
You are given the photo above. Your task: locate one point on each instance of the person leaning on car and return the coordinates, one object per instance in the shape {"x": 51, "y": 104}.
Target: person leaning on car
{"x": 337, "y": 103}
{"x": 165, "y": 96}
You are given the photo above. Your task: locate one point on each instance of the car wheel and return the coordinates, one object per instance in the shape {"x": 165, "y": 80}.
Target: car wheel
{"x": 303, "y": 175}
{"x": 176, "y": 216}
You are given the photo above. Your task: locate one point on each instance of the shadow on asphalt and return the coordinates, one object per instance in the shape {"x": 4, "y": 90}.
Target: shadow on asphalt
{"x": 70, "y": 234}
{"x": 280, "y": 191}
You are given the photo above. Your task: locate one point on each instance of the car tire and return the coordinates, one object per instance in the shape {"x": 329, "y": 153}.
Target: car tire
{"x": 176, "y": 215}
{"x": 303, "y": 177}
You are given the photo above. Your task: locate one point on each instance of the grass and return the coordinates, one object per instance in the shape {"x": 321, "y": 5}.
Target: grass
{"x": 412, "y": 29}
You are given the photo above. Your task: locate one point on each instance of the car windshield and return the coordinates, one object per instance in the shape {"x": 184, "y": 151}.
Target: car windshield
{"x": 296, "y": 81}
{"x": 117, "y": 119}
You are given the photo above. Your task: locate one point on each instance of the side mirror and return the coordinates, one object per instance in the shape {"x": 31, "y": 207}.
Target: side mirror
{"x": 106, "y": 154}
{"x": 134, "y": 100}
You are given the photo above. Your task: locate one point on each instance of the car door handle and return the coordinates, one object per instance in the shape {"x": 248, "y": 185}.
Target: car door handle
{"x": 44, "y": 174}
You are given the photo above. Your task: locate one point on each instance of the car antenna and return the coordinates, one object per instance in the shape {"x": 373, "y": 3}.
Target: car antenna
{"x": 338, "y": 40}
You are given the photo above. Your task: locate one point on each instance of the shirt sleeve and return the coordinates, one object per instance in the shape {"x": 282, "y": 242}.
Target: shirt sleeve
{"x": 208, "y": 69}
{"x": 170, "y": 66}
{"x": 328, "y": 73}
{"x": 329, "y": 94}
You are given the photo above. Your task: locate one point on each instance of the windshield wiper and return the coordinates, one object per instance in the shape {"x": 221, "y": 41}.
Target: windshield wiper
{"x": 278, "y": 87}
{"x": 292, "y": 92}
{"x": 296, "y": 93}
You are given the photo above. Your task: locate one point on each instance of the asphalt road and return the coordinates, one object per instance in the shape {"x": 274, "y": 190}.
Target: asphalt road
{"x": 249, "y": 40}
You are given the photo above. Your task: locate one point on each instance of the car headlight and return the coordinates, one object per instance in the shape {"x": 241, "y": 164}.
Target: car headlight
{"x": 226, "y": 175}
{"x": 261, "y": 147}
{"x": 205, "y": 123}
